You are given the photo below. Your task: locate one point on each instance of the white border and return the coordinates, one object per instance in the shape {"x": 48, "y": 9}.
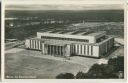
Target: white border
{"x": 2, "y": 40}
{"x": 62, "y": 80}
{"x": 125, "y": 41}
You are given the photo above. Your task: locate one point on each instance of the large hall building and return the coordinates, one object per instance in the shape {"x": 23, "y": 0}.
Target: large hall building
{"x": 64, "y": 43}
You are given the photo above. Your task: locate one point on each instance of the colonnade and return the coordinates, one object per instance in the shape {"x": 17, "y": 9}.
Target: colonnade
{"x": 53, "y": 50}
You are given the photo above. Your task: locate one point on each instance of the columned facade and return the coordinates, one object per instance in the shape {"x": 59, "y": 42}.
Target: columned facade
{"x": 64, "y": 49}
{"x": 54, "y": 50}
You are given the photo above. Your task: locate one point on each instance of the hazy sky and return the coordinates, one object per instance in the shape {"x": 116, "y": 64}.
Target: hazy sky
{"x": 63, "y": 4}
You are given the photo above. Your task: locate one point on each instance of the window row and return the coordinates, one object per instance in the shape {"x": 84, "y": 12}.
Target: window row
{"x": 69, "y": 39}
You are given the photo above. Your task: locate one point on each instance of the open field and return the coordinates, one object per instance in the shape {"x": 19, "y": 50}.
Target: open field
{"x": 22, "y": 65}
{"x": 33, "y": 63}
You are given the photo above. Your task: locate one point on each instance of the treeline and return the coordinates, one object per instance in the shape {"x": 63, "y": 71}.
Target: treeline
{"x": 87, "y": 16}
{"x": 113, "y": 70}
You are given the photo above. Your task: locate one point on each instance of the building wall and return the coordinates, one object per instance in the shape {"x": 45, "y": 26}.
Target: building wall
{"x": 93, "y": 50}
{"x": 72, "y": 49}
{"x": 55, "y": 50}
{"x": 90, "y": 38}
{"x": 33, "y": 44}
{"x": 84, "y": 50}
{"x": 96, "y": 51}
{"x": 106, "y": 47}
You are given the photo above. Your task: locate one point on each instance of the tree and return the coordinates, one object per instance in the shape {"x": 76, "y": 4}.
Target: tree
{"x": 101, "y": 71}
{"x": 65, "y": 76}
{"x": 96, "y": 71}
{"x": 117, "y": 63}
{"x": 110, "y": 70}
{"x": 113, "y": 69}
{"x": 81, "y": 75}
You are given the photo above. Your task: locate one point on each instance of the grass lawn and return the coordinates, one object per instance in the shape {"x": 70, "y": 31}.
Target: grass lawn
{"x": 22, "y": 65}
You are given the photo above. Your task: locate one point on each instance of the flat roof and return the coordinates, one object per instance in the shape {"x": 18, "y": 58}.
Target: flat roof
{"x": 96, "y": 33}
{"x": 76, "y": 32}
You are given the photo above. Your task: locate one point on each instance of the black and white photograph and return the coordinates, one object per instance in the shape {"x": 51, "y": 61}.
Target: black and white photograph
{"x": 63, "y": 39}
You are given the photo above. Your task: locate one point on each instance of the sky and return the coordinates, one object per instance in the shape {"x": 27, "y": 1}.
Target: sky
{"x": 63, "y": 4}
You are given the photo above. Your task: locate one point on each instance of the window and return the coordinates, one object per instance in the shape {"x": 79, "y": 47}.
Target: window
{"x": 69, "y": 39}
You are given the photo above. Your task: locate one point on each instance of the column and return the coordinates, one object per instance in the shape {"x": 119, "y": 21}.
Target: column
{"x": 60, "y": 50}
{"x": 63, "y": 50}
{"x": 36, "y": 44}
{"x": 39, "y": 43}
{"x": 92, "y": 50}
{"x": 46, "y": 49}
{"x": 43, "y": 50}
{"x": 82, "y": 49}
{"x": 57, "y": 50}
{"x": 53, "y": 50}
{"x": 67, "y": 50}
{"x": 86, "y": 51}
{"x": 33, "y": 44}
{"x": 72, "y": 49}
{"x": 76, "y": 49}
{"x": 89, "y": 50}
{"x": 50, "y": 49}
{"x": 30, "y": 43}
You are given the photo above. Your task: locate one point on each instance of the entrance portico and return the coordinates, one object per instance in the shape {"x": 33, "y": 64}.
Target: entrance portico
{"x": 56, "y": 50}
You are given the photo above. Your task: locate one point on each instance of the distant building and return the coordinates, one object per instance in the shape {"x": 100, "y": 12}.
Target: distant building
{"x": 64, "y": 43}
